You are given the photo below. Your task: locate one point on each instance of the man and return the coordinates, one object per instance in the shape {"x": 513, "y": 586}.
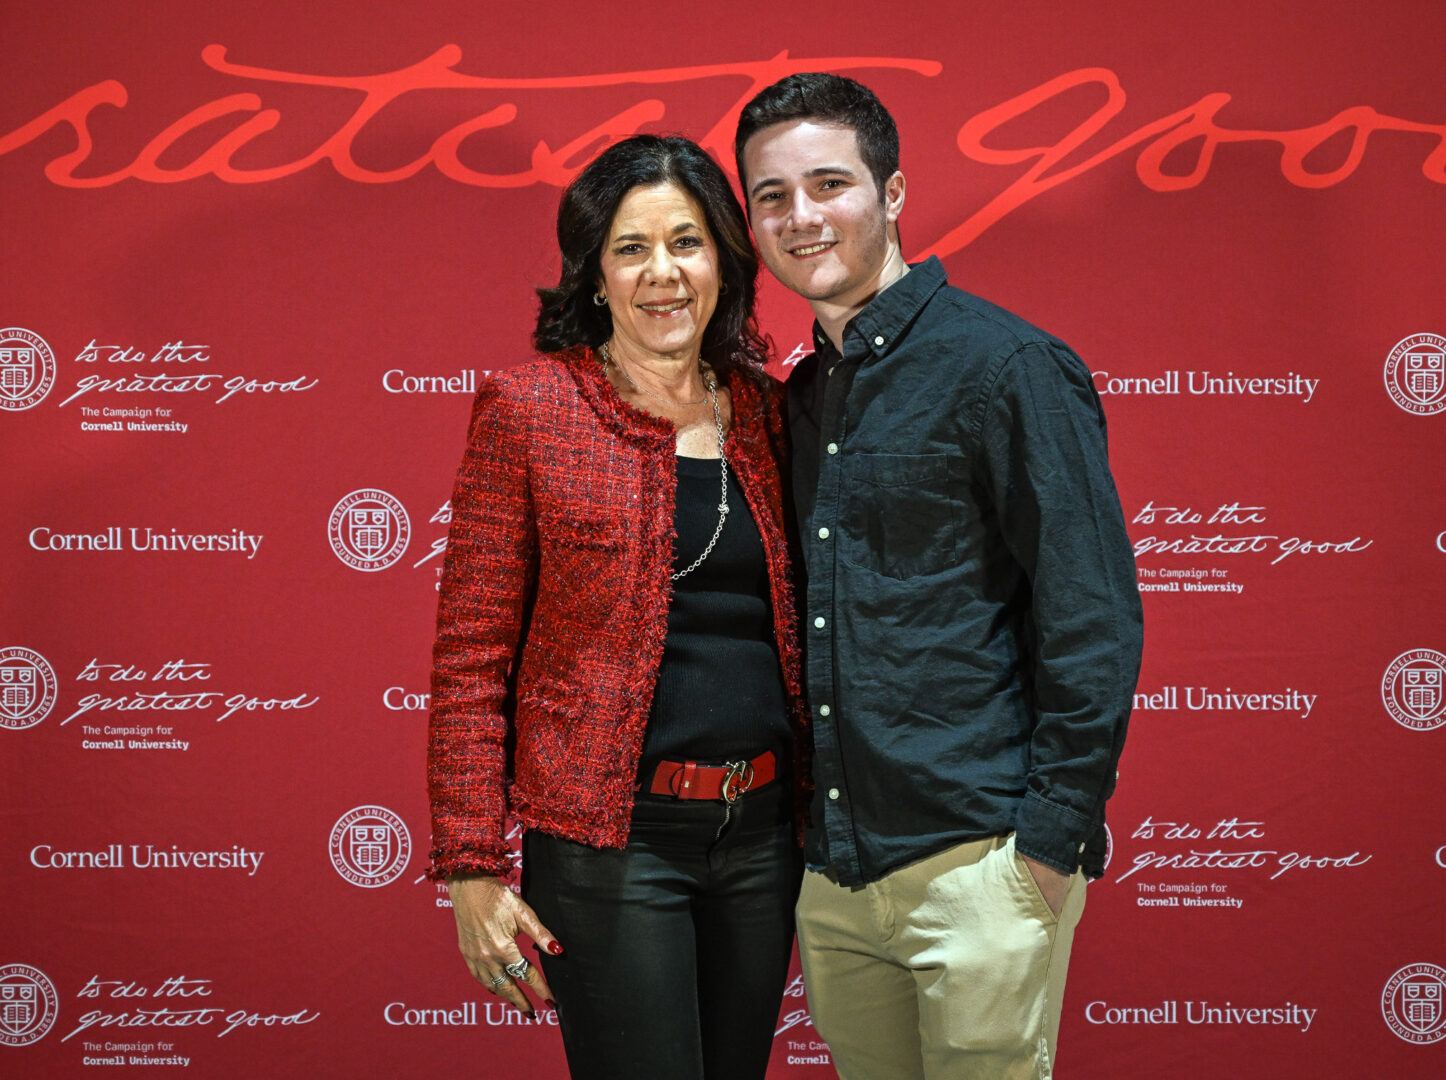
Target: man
{"x": 972, "y": 625}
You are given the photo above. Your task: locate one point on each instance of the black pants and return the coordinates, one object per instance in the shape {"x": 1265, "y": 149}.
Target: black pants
{"x": 678, "y": 945}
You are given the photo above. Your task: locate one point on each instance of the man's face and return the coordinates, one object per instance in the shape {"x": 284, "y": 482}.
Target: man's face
{"x": 816, "y": 213}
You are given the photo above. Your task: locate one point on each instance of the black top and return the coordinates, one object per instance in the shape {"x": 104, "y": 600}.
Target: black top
{"x": 719, "y": 695}
{"x": 972, "y": 626}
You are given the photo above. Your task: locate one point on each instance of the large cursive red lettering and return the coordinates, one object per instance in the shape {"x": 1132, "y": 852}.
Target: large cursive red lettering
{"x": 1169, "y": 133}
{"x": 1192, "y": 134}
{"x": 548, "y": 165}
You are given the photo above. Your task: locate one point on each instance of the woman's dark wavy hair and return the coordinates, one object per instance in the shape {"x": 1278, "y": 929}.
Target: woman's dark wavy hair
{"x": 568, "y": 317}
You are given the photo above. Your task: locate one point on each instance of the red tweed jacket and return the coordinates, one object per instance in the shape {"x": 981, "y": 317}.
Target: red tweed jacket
{"x": 554, "y": 603}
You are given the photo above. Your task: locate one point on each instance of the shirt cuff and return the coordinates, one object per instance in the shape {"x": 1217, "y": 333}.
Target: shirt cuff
{"x": 1050, "y": 833}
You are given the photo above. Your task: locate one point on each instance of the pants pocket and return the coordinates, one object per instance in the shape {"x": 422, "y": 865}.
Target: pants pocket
{"x": 1030, "y": 893}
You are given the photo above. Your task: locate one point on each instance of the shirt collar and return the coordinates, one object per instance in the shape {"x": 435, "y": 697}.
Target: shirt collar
{"x": 884, "y": 319}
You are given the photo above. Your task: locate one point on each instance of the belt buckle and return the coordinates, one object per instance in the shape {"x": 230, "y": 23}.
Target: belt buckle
{"x": 738, "y": 781}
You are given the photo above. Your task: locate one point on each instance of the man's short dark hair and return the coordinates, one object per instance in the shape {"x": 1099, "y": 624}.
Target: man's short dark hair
{"x": 824, "y": 99}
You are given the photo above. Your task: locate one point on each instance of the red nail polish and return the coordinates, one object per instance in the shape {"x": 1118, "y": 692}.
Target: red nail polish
{"x": 555, "y": 947}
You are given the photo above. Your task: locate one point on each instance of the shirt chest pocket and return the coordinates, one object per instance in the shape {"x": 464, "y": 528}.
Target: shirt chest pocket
{"x": 901, "y": 512}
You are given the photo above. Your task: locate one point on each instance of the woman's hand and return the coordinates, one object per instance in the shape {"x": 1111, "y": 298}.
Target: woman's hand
{"x": 489, "y": 917}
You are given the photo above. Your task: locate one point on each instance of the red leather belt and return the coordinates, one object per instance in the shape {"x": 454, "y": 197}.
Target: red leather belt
{"x": 690, "y": 780}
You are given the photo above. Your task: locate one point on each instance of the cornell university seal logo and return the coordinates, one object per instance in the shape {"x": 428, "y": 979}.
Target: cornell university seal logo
{"x": 27, "y": 369}
{"x": 27, "y": 688}
{"x": 1412, "y": 689}
{"x": 1416, "y": 374}
{"x": 370, "y": 846}
{"x": 369, "y": 529}
{"x": 1411, "y": 1003}
{"x": 28, "y": 1005}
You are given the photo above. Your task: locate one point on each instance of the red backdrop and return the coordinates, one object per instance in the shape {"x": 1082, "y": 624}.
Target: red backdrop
{"x": 257, "y": 258}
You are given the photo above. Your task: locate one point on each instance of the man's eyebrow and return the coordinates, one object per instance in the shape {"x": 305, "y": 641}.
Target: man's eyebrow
{"x": 820, "y": 170}
{"x": 680, "y": 227}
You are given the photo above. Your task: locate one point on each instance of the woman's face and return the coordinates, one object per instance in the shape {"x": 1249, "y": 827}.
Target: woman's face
{"x": 660, "y": 271}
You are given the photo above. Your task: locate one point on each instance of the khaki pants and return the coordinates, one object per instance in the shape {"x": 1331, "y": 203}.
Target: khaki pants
{"x": 949, "y": 967}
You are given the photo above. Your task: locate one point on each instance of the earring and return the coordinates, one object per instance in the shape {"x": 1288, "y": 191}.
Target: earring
{"x": 723, "y": 288}
{"x": 599, "y": 299}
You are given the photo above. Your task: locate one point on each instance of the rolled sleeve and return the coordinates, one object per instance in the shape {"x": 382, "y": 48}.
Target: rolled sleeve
{"x": 1043, "y": 444}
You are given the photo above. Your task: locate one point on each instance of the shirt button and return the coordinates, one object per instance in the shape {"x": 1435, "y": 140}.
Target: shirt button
{"x": 823, "y": 535}
{"x": 824, "y": 710}
{"x": 833, "y": 448}
{"x": 1081, "y": 849}
{"x": 833, "y": 793}
{"x": 819, "y": 622}
{"x": 878, "y": 341}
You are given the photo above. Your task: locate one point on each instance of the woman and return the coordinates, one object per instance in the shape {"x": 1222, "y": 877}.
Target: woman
{"x": 616, "y": 660}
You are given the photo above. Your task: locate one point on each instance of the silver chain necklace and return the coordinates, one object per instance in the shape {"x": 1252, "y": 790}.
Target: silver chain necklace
{"x": 711, "y": 384}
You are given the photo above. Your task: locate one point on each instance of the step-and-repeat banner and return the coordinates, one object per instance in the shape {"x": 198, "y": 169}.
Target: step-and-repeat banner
{"x": 258, "y": 258}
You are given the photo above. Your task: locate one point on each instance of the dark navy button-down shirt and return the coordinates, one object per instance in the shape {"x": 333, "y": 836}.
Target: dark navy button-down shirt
{"x": 971, "y": 619}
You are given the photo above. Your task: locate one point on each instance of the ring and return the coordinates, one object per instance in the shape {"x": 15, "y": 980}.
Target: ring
{"x": 518, "y": 970}
{"x": 498, "y": 981}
